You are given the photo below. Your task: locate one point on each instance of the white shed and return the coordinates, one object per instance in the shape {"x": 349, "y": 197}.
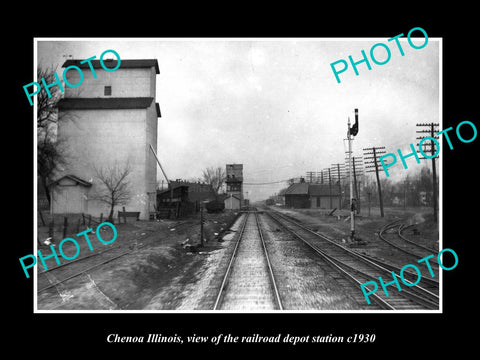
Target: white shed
{"x": 233, "y": 203}
{"x": 69, "y": 195}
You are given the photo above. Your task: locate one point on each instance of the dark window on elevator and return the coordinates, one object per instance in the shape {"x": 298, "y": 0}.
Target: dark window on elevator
{"x": 108, "y": 91}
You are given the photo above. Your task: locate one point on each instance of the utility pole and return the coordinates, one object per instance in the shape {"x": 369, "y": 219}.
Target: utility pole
{"x": 432, "y": 130}
{"x": 330, "y": 187}
{"x": 339, "y": 177}
{"x": 373, "y": 163}
{"x": 310, "y": 176}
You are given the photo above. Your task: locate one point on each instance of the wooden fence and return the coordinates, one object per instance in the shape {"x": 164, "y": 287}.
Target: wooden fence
{"x": 67, "y": 224}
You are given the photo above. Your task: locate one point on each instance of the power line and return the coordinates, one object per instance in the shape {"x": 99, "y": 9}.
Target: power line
{"x": 270, "y": 183}
{"x": 310, "y": 176}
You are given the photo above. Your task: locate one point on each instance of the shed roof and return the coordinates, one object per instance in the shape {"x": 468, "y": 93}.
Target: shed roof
{"x": 107, "y": 103}
{"x": 124, "y": 63}
{"x": 322, "y": 189}
{"x": 233, "y": 196}
{"x": 73, "y": 178}
{"x": 221, "y": 197}
{"x": 297, "y": 189}
{"x": 312, "y": 189}
{"x": 165, "y": 191}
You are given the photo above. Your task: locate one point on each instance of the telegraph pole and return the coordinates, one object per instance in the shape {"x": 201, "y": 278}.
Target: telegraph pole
{"x": 378, "y": 182}
{"x": 375, "y": 151}
{"x": 340, "y": 177}
{"x": 432, "y": 129}
{"x": 330, "y": 187}
{"x": 310, "y": 176}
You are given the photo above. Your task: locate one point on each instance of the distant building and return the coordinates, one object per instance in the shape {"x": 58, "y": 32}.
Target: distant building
{"x": 234, "y": 183}
{"x": 306, "y": 195}
{"x": 110, "y": 121}
{"x": 184, "y": 198}
{"x": 232, "y": 202}
{"x": 197, "y": 191}
{"x": 278, "y": 199}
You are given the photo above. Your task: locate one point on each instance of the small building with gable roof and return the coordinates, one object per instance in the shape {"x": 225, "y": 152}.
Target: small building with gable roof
{"x": 306, "y": 195}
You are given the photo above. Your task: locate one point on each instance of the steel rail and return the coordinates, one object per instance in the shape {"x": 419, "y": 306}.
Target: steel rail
{"x": 88, "y": 269}
{"x": 230, "y": 263}
{"x": 82, "y": 258}
{"x": 272, "y": 276}
{"x": 403, "y": 227}
{"x": 396, "y": 246}
{"x": 378, "y": 300}
{"x": 379, "y": 264}
{"x": 91, "y": 267}
{"x": 418, "y": 295}
{"x": 96, "y": 253}
{"x": 431, "y": 282}
{"x": 426, "y": 293}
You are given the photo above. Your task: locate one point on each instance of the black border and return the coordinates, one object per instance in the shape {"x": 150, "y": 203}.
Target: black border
{"x": 413, "y": 333}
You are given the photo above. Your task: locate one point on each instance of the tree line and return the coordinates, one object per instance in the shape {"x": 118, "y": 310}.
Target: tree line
{"x": 416, "y": 189}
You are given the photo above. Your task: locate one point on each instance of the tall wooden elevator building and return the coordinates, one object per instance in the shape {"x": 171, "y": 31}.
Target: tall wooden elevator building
{"x": 234, "y": 182}
{"x": 108, "y": 122}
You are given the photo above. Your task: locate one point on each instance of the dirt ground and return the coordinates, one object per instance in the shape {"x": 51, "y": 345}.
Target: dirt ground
{"x": 163, "y": 264}
{"x": 338, "y": 224}
{"x": 164, "y": 268}
{"x": 337, "y": 227}
{"x": 304, "y": 280}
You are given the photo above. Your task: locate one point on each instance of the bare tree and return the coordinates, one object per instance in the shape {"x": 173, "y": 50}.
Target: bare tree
{"x": 115, "y": 186}
{"x": 49, "y": 159}
{"x": 215, "y": 177}
{"x": 49, "y": 149}
{"x": 47, "y": 114}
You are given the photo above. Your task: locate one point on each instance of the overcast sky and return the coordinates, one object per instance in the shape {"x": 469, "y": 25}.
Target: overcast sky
{"x": 274, "y": 105}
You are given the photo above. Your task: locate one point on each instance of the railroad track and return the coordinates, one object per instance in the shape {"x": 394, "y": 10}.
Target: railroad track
{"x": 430, "y": 284}
{"x": 402, "y": 228}
{"x": 249, "y": 281}
{"x": 54, "y": 277}
{"x": 407, "y": 246}
{"x": 359, "y": 269}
